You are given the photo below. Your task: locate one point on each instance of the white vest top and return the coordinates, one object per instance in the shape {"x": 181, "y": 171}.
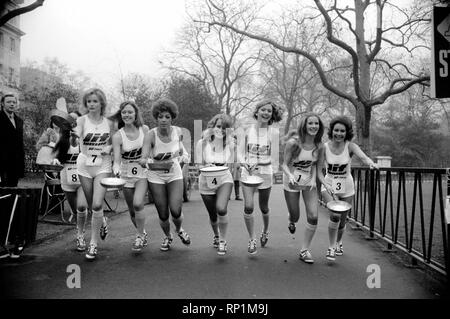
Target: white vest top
{"x": 166, "y": 151}
{"x": 258, "y": 149}
{"x": 217, "y": 154}
{"x": 95, "y": 136}
{"x": 132, "y": 150}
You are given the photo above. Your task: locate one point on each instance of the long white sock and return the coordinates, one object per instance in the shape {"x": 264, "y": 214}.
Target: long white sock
{"x": 310, "y": 230}
{"x": 249, "y": 223}
{"x": 81, "y": 221}
{"x": 340, "y": 234}
{"x": 223, "y": 225}
{"x": 96, "y": 224}
{"x": 332, "y": 232}
{"x": 139, "y": 217}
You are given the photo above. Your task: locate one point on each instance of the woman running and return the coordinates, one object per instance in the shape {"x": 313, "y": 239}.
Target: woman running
{"x": 338, "y": 182}
{"x": 258, "y": 148}
{"x": 127, "y": 148}
{"x": 163, "y": 144}
{"x": 216, "y": 149}
{"x": 299, "y": 174}
{"x": 67, "y": 156}
{"x": 94, "y": 162}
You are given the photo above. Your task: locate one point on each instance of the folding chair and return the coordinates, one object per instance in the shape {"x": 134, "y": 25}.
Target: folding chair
{"x": 53, "y": 197}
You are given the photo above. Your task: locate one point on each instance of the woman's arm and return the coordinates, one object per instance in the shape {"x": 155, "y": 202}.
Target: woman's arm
{"x": 77, "y": 132}
{"x": 287, "y": 158}
{"x": 355, "y": 149}
{"x": 320, "y": 167}
{"x": 275, "y": 149}
{"x": 146, "y": 147}
{"x": 116, "y": 144}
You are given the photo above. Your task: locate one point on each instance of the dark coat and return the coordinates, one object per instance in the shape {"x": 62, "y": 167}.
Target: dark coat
{"x": 12, "y": 155}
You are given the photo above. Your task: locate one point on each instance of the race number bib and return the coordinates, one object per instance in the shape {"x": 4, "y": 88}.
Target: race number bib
{"x": 72, "y": 175}
{"x": 133, "y": 169}
{"x": 211, "y": 181}
{"x": 302, "y": 176}
{"x": 338, "y": 185}
{"x": 94, "y": 158}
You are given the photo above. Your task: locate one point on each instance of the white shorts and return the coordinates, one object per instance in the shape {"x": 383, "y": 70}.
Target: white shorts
{"x": 160, "y": 177}
{"x": 131, "y": 181}
{"x": 69, "y": 179}
{"x": 209, "y": 183}
{"x": 268, "y": 178}
{"x": 92, "y": 171}
{"x": 344, "y": 189}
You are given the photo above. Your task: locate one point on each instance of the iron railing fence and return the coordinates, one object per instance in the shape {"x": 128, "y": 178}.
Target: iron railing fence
{"x": 406, "y": 208}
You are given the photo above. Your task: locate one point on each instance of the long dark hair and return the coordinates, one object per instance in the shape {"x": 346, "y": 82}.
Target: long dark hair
{"x": 62, "y": 146}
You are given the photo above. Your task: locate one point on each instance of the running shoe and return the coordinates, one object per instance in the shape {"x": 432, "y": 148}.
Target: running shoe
{"x": 339, "y": 249}
{"x": 216, "y": 242}
{"x": 184, "y": 237}
{"x": 222, "y": 248}
{"x": 16, "y": 252}
{"x": 264, "y": 238}
{"x": 81, "y": 243}
{"x": 145, "y": 239}
{"x": 138, "y": 243}
{"x": 104, "y": 228}
{"x": 331, "y": 254}
{"x": 306, "y": 256}
{"x": 167, "y": 241}
{"x": 92, "y": 252}
{"x": 252, "y": 246}
{"x": 291, "y": 228}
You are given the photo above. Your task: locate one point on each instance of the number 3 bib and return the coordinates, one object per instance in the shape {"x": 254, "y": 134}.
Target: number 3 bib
{"x": 338, "y": 184}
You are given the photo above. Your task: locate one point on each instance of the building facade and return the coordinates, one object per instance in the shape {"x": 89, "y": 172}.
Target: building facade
{"x": 10, "y": 35}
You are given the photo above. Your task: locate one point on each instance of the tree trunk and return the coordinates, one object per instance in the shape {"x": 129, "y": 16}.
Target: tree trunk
{"x": 363, "y": 116}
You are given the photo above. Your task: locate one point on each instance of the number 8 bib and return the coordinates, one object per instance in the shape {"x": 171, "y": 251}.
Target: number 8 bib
{"x": 72, "y": 176}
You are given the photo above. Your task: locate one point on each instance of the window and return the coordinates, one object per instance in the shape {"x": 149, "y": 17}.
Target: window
{"x": 13, "y": 45}
{"x": 11, "y": 75}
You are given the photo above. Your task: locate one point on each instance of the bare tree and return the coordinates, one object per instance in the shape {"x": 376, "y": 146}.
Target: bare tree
{"x": 5, "y": 15}
{"x": 370, "y": 54}
{"x": 220, "y": 59}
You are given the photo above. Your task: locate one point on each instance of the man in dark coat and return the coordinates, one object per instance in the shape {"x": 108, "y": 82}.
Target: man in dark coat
{"x": 12, "y": 157}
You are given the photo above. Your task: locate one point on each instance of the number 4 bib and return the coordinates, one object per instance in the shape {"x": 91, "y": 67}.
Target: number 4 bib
{"x": 211, "y": 181}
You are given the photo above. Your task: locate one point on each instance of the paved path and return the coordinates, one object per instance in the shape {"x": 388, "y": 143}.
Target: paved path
{"x": 198, "y": 272}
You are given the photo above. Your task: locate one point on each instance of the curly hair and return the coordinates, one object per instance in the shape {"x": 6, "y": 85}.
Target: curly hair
{"x": 164, "y": 105}
{"x": 100, "y": 95}
{"x": 277, "y": 111}
{"x": 118, "y": 115}
{"x": 344, "y": 121}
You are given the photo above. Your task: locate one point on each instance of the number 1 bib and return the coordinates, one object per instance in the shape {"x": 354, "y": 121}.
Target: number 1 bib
{"x": 302, "y": 176}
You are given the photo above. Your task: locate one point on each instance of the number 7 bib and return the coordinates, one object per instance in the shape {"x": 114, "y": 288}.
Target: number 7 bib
{"x": 94, "y": 158}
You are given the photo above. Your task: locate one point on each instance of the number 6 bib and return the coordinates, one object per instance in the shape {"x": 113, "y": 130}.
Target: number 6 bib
{"x": 134, "y": 170}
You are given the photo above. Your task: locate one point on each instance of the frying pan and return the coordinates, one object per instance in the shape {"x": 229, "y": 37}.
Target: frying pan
{"x": 62, "y": 119}
{"x": 252, "y": 181}
{"x": 50, "y": 167}
{"x": 112, "y": 182}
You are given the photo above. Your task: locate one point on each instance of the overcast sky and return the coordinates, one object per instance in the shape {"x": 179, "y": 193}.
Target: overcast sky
{"x": 101, "y": 37}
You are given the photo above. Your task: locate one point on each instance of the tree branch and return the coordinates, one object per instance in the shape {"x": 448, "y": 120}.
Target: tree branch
{"x": 13, "y": 13}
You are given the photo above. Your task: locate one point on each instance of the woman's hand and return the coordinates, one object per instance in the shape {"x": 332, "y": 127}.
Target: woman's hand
{"x": 116, "y": 170}
{"x": 373, "y": 166}
{"x": 143, "y": 162}
{"x": 55, "y": 161}
{"x": 292, "y": 180}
